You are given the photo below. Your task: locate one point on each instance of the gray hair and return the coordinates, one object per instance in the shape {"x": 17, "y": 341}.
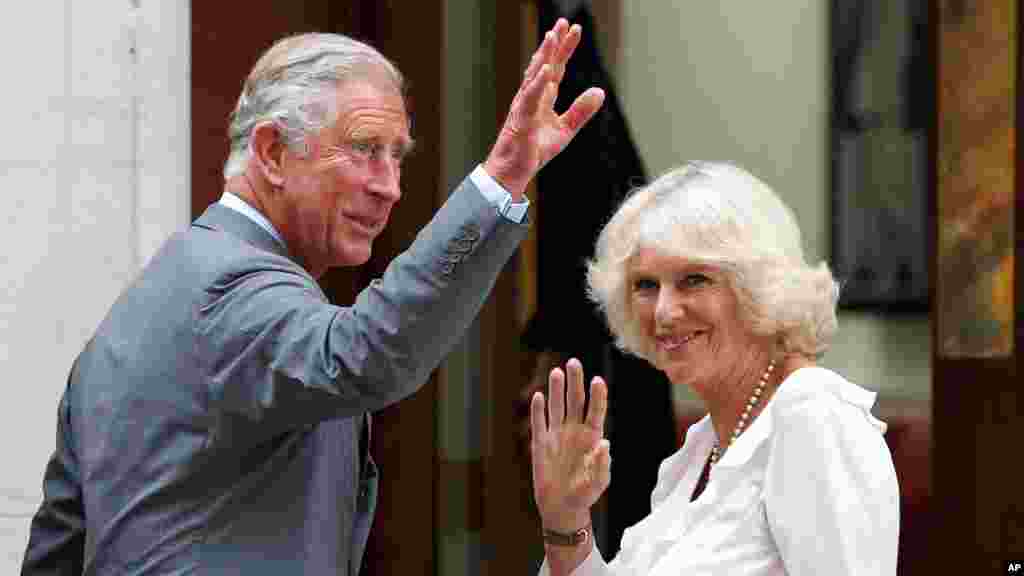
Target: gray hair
{"x": 718, "y": 214}
{"x": 294, "y": 84}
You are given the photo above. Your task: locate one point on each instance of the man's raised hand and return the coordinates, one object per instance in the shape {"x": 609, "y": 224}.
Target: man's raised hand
{"x": 533, "y": 132}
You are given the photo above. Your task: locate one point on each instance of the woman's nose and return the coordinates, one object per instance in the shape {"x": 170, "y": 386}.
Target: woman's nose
{"x": 668, "y": 308}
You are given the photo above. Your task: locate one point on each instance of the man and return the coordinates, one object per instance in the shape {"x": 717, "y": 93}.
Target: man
{"x": 216, "y": 422}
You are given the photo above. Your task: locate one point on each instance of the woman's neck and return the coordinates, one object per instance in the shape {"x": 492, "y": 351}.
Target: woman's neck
{"x": 730, "y": 403}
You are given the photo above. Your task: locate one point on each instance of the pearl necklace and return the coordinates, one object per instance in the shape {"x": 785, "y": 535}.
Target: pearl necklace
{"x": 755, "y": 397}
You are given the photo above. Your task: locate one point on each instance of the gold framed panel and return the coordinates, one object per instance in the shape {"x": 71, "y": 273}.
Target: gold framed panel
{"x": 977, "y": 69}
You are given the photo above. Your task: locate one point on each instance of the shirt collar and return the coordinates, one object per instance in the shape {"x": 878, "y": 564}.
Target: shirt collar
{"x": 238, "y": 205}
{"x": 803, "y": 383}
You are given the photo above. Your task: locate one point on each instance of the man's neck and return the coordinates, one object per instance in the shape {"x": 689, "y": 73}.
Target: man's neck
{"x": 242, "y": 187}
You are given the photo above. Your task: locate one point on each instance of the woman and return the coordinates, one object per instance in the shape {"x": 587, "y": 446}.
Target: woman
{"x": 702, "y": 274}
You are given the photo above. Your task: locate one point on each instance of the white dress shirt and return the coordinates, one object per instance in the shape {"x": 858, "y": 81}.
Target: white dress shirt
{"x": 809, "y": 488}
{"x": 238, "y": 205}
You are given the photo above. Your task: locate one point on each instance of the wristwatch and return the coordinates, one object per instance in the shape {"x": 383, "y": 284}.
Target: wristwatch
{"x": 576, "y": 538}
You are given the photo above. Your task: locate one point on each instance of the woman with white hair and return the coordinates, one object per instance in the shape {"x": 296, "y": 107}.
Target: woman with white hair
{"x": 702, "y": 274}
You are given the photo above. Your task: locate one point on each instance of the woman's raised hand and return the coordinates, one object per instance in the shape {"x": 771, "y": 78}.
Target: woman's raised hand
{"x": 571, "y": 457}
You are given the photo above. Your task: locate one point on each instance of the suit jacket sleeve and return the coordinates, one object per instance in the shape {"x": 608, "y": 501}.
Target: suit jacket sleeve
{"x": 276, "y": 352}
{"x": 57, "y": 535}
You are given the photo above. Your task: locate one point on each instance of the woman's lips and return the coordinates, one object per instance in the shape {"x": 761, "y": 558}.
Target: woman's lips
{"x": 672, "y": 342}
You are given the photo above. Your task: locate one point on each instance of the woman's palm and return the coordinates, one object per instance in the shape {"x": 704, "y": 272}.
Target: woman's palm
{"x": 571, "y": 459}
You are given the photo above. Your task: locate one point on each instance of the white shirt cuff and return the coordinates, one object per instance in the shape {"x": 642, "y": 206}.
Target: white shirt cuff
{"x": 498, "y": 196}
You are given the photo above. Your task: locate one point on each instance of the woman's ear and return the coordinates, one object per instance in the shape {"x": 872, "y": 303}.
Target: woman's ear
{"x": 267, "y": 150}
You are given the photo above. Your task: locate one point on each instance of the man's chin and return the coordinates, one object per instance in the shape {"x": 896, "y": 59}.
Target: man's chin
{"x": 349, "y": 256}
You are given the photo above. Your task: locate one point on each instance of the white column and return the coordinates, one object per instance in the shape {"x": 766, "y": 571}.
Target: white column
{"x": 95, "y": 173}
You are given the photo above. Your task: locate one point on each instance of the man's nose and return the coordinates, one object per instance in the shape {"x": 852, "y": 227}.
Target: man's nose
{"x": 385, "y": 183}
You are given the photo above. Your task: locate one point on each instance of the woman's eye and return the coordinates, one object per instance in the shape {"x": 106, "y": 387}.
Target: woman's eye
{"x": 644, "y": 285}
{"x": 695, "y": 280}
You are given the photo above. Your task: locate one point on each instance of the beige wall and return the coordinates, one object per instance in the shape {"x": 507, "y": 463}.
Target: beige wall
{"x": 95, "y": 175}
{"x": 748, "y": 82}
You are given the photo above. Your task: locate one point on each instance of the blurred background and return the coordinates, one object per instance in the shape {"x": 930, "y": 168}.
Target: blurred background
{"x": 117, "y": 135}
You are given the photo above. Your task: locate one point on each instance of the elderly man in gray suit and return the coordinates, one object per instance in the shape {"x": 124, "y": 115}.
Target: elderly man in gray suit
{"x": 213, "y": 423}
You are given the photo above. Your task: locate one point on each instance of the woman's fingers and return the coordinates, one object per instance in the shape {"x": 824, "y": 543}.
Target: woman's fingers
{"x": 556, "y": 398}
{"x": 602, "y": 466}
{"x": 598, "y": 403}
{"x": 537, "y": 421}
{"x": 538, "y": 427}
{"x": 571, "y": 461}
{"x": 576, "y": 396}
{"x": 593, "y": 473}
{"x": 567, "y": 397}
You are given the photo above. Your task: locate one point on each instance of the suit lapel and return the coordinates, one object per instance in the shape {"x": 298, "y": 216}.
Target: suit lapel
{"x": 221, "y": 218}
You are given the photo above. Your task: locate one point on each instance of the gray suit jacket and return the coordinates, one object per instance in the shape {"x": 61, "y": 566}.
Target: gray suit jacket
{"x": 212, "y": 424}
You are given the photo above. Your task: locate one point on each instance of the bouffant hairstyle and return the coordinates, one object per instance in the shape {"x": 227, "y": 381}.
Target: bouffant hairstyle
{"x": 720, "y": 215}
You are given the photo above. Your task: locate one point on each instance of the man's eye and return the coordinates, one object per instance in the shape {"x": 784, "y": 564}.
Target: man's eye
{"x": 366, "y": 148}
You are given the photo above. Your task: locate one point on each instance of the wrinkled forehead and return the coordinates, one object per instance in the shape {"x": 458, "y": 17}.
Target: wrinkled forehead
{"x": 371, "y": 86}
{"x": 375, "y": 76}
{"x": 373, "y": 104}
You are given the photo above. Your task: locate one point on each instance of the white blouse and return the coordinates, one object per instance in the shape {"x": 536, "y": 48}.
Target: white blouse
{"x": 809, "y": 488}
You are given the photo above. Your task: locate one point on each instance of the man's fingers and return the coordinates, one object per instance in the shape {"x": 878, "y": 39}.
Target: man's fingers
{"x": 555, "y": 48}
{"x": 583, "y": 109}
{"x": 530, "y": 95}
{"x": 568, "y": 38}
{"x": 568, "y": 44}
{"x": 540, "y": 57}
{"x": 560, "y": 30}
{"x": 576, "y": 396}
{"x": 547, "y": 99}
{"x": 556, "y": 398}
{"x": 598, "y": 403}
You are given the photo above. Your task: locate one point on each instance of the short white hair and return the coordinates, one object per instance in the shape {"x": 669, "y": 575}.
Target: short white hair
{"x": 294, "y": 84}
{"x": 720, "y": 215}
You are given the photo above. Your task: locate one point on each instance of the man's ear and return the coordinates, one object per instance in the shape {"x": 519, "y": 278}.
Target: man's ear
{"x": 268, "y": 152}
